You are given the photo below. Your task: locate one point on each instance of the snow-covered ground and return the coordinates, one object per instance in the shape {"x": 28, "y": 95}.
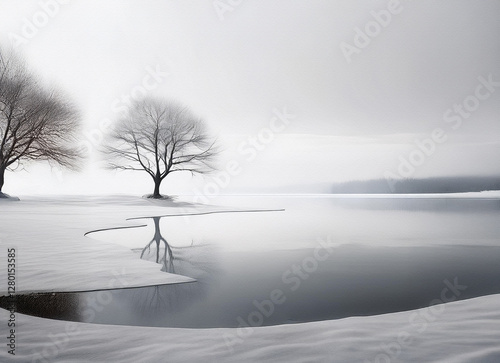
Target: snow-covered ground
{"x": 464, "y": 331}
{"x": 52, "y": 254}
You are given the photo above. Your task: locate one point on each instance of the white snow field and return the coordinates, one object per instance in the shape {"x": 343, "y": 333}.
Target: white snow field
{"x": 52, "y": 254}
{"x": 464, "y": 331}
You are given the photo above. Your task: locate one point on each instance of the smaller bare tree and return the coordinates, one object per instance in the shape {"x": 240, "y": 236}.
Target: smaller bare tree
{"x": 160, "y": 137}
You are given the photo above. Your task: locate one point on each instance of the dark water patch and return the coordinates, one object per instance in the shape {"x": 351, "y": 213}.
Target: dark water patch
{"x": 60, "y": 306}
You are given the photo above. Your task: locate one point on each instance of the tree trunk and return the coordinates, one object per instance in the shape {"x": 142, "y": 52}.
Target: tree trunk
{"x": 156, "y": 193}
{"x": 2, "y": 178}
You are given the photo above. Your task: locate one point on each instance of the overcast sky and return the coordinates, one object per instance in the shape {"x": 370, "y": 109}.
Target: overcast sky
{"x": 359, "y": 101}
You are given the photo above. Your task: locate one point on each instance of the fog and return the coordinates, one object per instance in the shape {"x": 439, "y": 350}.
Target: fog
{"x": 354, "y": 113}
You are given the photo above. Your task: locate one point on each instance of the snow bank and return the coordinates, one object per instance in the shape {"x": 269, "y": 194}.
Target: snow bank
{"x": 464, "y": 331}
{"x": 5, "y": 197}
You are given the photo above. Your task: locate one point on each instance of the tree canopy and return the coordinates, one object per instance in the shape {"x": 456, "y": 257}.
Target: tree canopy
{"x": 160, "y": 137}
{"x": 35, "y": 123}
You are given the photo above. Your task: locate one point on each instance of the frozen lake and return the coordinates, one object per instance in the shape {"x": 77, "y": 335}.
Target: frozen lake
{"x": 318, "y": 259}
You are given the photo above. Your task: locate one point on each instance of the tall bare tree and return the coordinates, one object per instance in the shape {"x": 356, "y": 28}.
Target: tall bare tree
{"x": 160, "y": 137}
{"x": 35, "y": 123}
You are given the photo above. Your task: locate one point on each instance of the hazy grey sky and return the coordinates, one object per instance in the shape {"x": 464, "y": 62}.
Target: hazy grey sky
{"x": 234, "y": 64}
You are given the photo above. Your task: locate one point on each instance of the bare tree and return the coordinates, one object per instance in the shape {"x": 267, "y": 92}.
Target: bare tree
{"x": 35, "y": 123}
{"x": 160, "y": 137}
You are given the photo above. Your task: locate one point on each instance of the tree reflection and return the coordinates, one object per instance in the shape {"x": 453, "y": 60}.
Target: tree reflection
{"x": 174, "y": 259}
{"x": 164, "y": 305}
{"x": 167, "y": 259}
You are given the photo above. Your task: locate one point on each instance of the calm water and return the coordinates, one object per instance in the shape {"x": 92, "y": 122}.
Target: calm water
{"x": 321, "y": 258}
